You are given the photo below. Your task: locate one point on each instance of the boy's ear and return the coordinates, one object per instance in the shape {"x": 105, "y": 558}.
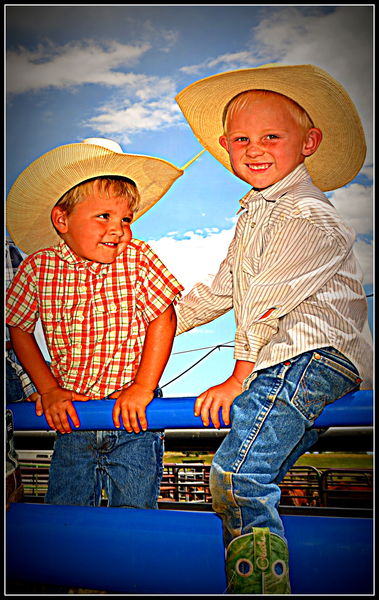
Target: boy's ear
{"x": 312, "y": 141}
{"x": 224, "y": 142}
{"x": 59, "y": 219}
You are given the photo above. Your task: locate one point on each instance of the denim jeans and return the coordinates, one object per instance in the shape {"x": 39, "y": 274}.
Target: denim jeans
{"x": 128, "y": 466}
{"x": 14, "y": 389}
{"x": 271, "y": 426}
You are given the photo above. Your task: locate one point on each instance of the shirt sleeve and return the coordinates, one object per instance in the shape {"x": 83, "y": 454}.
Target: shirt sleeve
{"x": 205, "y": 303}
{"x": 21, "y": 303}
{"x": 298, "y": 260}
{"x": 158, "y": 288}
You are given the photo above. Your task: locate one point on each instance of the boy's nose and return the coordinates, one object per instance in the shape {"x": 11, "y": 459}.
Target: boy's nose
{"x": 116, "y": 228}
{"x": 254, "y": 149}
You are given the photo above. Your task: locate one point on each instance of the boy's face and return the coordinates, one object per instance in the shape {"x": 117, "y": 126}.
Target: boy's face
{"x": 98, "y": 228}
{"x": 265, "y": 141}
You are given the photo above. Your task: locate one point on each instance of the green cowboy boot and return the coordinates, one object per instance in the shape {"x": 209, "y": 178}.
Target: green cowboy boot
{"x": 257, "y": 563}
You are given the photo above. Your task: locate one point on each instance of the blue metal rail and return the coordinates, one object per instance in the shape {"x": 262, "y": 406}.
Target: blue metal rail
{"x": 354, "y": 409}
{"x": 137, "y": 551}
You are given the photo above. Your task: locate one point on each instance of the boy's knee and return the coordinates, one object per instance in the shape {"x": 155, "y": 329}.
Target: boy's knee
{"x": 221, "y": 488}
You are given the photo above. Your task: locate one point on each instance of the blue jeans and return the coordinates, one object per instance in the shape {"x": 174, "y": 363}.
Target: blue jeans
{"x": 128, "y": 466}
{"x": 14, "y": 389}
{"x": 271, "y": 426}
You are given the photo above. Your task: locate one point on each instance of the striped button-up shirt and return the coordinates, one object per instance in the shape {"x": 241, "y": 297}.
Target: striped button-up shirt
{"x": 292, "y": 279}
{"x": 94, "y": 315}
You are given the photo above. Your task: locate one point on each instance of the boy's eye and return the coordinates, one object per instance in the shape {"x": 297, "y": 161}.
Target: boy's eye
{"x": 241, "y": 138}
{"x": 272, "y": 136}
{"x": 127, "y": 219}
{"x": 104, "y": 216}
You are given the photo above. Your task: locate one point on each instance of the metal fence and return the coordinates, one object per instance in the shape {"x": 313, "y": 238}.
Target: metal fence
{"x": 188, "y": 482}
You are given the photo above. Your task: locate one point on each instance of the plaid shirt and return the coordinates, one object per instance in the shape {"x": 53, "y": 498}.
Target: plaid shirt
{"x": 13, "y": 259}
{"x": 94, "y": 315}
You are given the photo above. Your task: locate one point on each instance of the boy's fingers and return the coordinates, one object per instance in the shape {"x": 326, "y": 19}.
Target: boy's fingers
{"x": 79, "y": 397}
{"x": 116, "y": 415}
{"x": 214, "y": 413}
{"x": 39, "y": 408}
{"x": 134, "y": 421}
{"x": 126, "y": 421}
{"x": 50, "y": 421}
{"x": 142, "y": 418}
{"x": 73, "y": 415}
{"x": 226, "y": 414}
{"x": 198, "y": 404}
{"x": 205, "y": 411}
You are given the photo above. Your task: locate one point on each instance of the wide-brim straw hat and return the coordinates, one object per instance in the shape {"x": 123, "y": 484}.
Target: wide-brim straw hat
{"x": 342, "y": 151}
{"x": 39, "y": 187}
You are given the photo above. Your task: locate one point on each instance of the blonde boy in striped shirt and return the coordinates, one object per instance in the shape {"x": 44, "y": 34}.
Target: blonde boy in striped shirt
{"x": 302, "y": 337}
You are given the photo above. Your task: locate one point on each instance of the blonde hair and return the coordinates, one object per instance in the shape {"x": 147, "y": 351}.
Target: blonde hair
{"x": 122, "y": 186}
{"x": 240, "y": 101}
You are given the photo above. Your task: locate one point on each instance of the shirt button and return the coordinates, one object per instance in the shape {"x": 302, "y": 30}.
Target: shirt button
{"x": 316, "y": 355}
{"x": 252, "y": 224}
{"x": 247, "y": 347}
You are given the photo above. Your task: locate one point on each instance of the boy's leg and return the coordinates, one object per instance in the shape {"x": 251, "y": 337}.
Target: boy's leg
{"x": 132, "y": 465}
{"x": 74, "y": 476}
{"x": 271, "y": 426}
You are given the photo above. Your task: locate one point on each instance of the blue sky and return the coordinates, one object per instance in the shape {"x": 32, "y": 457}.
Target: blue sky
{"x": 114, "y": 70}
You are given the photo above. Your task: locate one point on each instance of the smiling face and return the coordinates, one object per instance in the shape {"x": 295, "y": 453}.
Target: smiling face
{"x": 98, "y": 227}
{"x": 266, "y": 140}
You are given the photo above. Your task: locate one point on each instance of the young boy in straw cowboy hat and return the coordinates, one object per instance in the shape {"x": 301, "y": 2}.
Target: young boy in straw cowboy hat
{"x": 302, "y": 338}
{"x": 106, "y": 305}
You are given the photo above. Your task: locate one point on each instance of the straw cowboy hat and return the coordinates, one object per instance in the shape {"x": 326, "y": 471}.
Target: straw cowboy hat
{"x": 342, "y": 151}
{"x": 39, "y": 187}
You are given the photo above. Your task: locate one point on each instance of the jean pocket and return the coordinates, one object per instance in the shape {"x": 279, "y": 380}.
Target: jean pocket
{"x": 329, "y": 375}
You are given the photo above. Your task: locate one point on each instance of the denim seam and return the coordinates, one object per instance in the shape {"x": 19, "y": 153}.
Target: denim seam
{"x": 245, "y": 448}
{"x": 336, "y": 366}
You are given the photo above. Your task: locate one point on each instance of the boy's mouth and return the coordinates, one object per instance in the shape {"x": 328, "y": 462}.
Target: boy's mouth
{"x": 110, "y": 244}
{"x": 259, "y": 167}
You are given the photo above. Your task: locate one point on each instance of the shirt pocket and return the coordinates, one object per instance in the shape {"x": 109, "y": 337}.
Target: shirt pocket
{"x": 57, "y": 327}
{"x": 328, "y": 376}
{"x": 114, "y": 320}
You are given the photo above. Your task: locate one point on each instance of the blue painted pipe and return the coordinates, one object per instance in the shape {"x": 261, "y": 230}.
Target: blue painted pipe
{"x": 354, "y": 409}
{"x": 138, "y": 551}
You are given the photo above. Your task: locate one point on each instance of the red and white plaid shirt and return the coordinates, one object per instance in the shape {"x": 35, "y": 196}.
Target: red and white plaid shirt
{"x": 94, "y": 315}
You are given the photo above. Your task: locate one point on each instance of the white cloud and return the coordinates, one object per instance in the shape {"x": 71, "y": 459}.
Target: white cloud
{"x": 71, "y": 65}
{"x": 364, "y": 252}
{"x": 355, "y": 204}
{"x": 195, "y": 258}
{"x": 339, "y": 41}
{"x": 198, "y": 255}
{"x": 149, "y": 105}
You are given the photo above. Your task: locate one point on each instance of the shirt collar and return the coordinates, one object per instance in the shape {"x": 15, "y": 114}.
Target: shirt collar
{"x": 65, "y": 253}
{"x": 274, "y": 192}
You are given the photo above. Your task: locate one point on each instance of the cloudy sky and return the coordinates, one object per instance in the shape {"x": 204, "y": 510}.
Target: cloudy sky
{"x": 113, "y": 71}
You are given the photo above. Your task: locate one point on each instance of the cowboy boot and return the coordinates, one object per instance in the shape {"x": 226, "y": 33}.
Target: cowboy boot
{"x": 257, "y": 563}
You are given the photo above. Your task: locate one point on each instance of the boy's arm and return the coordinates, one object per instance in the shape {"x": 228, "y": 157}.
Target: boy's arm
{"x": 56, "y": 402}
{"x": 131, "y": 402}
{"x": 208, "y": 404}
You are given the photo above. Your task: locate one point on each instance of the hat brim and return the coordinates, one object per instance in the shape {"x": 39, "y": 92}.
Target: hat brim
{"x": 39, "y": 187}
{"x": 342, "y": 151}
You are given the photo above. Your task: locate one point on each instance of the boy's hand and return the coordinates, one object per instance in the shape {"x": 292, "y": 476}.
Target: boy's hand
{"x": 131, "y": 405}
{"x": 56, "y": 404}
{"x": 208, "y": 404}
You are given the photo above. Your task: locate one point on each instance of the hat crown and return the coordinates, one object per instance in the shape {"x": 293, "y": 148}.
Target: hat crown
{"x": 104, "y": 143}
